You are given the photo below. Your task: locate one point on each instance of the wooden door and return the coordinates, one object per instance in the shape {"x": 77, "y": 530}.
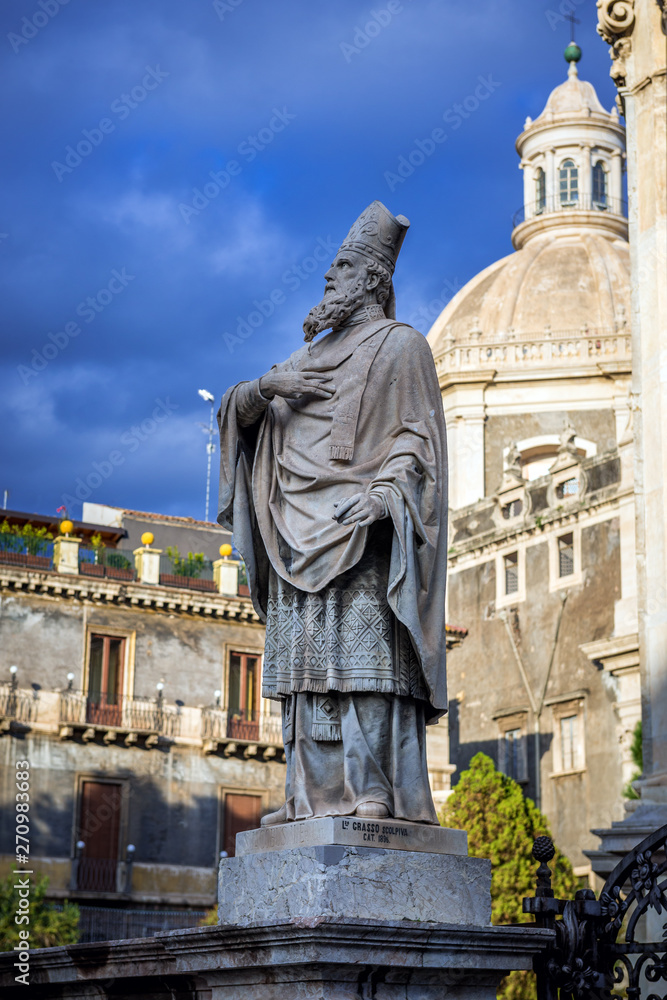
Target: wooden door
{"x": 241, "y": 812}
{"x": 99, "y": 829}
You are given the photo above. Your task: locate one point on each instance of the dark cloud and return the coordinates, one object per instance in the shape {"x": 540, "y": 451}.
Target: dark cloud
{"x": 170, "y": 167}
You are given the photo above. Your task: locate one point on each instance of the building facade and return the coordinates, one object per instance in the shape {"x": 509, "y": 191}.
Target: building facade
{"x": 130, "y": 680}
{"x": 637, "y": 35}
{"x": 534, "y": 361}
{"x": 133, "y": 691}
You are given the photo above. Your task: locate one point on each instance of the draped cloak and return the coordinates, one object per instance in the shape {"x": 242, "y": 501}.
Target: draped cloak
{"x": 383, "y": 431}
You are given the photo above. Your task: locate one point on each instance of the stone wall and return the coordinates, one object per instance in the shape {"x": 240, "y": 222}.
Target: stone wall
{"x": 172, "y": 771}
{"x": 597, "y": 426}
{"x": 544, "y": 626}
{"x": 185, "y": 652}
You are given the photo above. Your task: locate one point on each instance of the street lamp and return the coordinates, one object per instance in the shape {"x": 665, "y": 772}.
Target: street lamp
{"x": 208, "y": 397}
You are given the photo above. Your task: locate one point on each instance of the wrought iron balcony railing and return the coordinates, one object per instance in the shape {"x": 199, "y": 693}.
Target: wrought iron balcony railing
{"x": 191, "y": 572}
{"x": 91, "y": 874}
{"x": 584, "y": 203}
{"x": 98, "y": 875}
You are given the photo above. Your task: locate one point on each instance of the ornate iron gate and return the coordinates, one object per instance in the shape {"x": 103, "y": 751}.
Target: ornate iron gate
{"x": 603, "y": 947}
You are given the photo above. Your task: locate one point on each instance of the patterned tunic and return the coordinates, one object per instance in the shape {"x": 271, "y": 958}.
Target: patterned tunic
{"x": 343, "y": 638}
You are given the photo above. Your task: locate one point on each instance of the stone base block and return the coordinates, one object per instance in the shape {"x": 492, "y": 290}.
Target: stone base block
{"x": 350, "y": 831}
{"x": 309, "y": 883}
{"x": 307, "y": 960}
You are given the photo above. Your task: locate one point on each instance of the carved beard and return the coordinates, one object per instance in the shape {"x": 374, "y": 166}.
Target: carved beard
{"x": 334, "y": 309}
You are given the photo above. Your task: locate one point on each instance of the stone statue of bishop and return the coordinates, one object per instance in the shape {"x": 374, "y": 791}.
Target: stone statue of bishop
{"x": 334, "y": 481}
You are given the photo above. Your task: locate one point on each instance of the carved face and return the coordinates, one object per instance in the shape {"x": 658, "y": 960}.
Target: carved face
{"x": 347, "y": 275}
{"x": 348, "y": 287}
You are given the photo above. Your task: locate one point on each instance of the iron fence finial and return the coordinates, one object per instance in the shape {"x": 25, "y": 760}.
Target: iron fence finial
{"x": 543, "y": 851}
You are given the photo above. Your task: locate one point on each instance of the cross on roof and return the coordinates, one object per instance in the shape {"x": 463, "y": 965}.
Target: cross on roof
{"x": 573, "y": 20}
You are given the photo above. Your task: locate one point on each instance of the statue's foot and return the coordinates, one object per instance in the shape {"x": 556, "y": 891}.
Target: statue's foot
{"x": 372, "y": 810}
{"x": 274, "y": 818}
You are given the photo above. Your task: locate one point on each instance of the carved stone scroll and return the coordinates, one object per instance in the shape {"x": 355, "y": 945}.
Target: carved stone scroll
{"x": 616, "y": 18}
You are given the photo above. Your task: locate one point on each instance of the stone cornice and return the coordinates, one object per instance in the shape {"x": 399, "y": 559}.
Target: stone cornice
{"x": 335, "y": 941}
{"x": 537, "y": 356}
{"x": 607, "y": 223}
{"x": 617, "y": 654}
{"x": 101, "y": 590}
{"x": 595, "y": 121}
{"x": 541, "y": 524}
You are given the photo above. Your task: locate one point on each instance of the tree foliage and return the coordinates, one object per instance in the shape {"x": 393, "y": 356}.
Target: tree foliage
{"x": 48, "y": 926}
{"x": 502, "y": 825}
{"x": 637, "y": 754}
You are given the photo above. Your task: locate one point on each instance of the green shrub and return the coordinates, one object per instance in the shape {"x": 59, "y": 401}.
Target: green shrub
{"x": 502, "y": 825}
{"x": 48, "y": 926}
{"x": 191, "y": 565}
{"x": 19, "y": 538}
{"x": 637, "y": 754}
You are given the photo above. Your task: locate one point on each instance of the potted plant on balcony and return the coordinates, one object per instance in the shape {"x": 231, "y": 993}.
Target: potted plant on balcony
{"x": 24, "y": 545}
{"x": 187, "y": 570}
{"x": 105, "y": 562}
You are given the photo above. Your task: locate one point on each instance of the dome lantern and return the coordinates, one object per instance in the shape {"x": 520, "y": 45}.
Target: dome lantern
{"x": 543, "y": 332}
{"x": 572, "y": 158}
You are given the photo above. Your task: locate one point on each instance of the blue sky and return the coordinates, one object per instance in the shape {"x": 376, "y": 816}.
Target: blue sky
{"x": 171, "y": 173}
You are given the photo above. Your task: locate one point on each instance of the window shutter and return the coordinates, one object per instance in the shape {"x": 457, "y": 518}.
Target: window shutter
{"x": 522, "y": 761}
{"x": 502, "y": 761}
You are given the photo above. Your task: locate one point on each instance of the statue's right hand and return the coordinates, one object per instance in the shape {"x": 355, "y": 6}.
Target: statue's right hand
{"x": 293, "y": 385}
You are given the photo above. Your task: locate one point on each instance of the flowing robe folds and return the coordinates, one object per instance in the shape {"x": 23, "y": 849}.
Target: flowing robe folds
{"x": 284, "y": 464}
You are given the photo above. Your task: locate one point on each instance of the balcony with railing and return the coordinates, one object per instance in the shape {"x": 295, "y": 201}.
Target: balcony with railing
{"x": 101, "y": 875}
{"x": 532, "y": 350}
{"x": 582, "y": 203}
{"x": 252, "y": 732}
{"x": 113, "y": 564}
{"x": 122, "y": 720}
{"x": 17, "y": 706}
{"x": 27, "y": 553}
{"x": 88, "y": 712}
{"x": 191, "y": 572}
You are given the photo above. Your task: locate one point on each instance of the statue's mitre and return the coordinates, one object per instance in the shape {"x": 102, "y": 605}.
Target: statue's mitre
{"x": 377, "y": 234}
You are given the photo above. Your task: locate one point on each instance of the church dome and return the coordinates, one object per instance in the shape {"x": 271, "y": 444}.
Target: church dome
{"x": 574, "y": 97}
{"x": 550, "y": 288}
{"x": 570, "y": 274}
{"x": 540, "y": 339}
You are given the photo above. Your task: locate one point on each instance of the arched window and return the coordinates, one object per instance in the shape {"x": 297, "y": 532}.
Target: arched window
{"x": 599, "y": 185}
{"x": 569, "y": 183}
{"x": 540, "y": 191}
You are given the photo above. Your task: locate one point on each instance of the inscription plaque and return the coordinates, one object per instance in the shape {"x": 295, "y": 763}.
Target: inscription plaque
{"x": 351, "y": 831}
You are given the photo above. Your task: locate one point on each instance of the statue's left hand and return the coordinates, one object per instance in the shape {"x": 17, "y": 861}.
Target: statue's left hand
{"x": 361, "y": 509}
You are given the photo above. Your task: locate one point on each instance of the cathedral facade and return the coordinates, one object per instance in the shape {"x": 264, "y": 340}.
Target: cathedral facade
{"x": 534, "y": 362}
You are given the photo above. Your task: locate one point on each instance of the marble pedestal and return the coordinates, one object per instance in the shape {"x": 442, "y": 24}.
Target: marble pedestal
{"x": 315, "y": 921}
{"x": 342, "y": 866}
